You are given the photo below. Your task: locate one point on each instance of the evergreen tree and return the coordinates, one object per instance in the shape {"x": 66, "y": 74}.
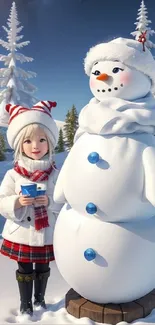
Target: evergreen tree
{"x": 67, "y": 129}
{"x": 61, "y": 145}
{"x": 13, "y": 80}
{"x": 74, "y": 119}
{"x": 2, "y": 147}
{"x": 70, "y": 127}
{"x": 143, "y": 32}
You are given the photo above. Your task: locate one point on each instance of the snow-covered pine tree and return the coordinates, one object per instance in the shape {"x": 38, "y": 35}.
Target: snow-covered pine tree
{"x": 70, "y": 127}
{"x": 61, "y": 144}
{"x": 13, "y": 79}
{"x": 142, "y": 28}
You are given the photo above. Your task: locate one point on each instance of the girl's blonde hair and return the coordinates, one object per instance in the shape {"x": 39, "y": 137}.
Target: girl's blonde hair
{"x": 28, "y": 131}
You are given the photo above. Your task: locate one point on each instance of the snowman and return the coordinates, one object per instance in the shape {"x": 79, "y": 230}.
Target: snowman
{"x": 105, "y": 233}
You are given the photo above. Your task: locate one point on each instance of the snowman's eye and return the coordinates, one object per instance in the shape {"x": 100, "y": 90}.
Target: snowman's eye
{"x": 116, "y": 70}
{"x": 96, "y": 73}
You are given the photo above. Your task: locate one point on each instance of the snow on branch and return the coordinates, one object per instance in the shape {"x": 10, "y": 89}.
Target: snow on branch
{"x": 25, "y": 74}
{"x": 6, "y": 45}
{"x": 4, "y": 72}
{"x": 22, "y": 44}
{"x": 13, "y": 31}
{"x": 6, "y": 30}
{"x": 3, "y": 57}
{"x": 26, "y": 86}
{"x": 3, "y": 82}
{"x": 27, "y": 99}
{"x": 19, "y": 37}
{"x": 22, "y": 58}
{"x": 19, "y": 29}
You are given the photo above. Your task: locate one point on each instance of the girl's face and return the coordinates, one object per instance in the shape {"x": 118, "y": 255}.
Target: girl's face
{"x": 35, "y": 146}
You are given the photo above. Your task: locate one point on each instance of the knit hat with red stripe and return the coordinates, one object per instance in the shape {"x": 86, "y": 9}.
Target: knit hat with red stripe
{"x": 20, "y": 117}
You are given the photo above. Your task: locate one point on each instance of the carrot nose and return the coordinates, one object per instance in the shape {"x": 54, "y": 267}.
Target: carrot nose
{"x": 103, "y": 77}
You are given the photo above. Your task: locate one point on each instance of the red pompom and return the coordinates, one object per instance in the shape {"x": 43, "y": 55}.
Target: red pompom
{"x": 52, "y": 104}
{"x": 7, "y": 107}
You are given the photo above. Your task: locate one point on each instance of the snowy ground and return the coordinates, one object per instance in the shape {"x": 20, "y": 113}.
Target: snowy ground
{"x": 56, "y": 290}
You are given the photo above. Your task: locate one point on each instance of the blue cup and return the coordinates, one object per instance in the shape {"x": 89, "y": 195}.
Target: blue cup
{"x": 41, "y": 192}
{"x": 29, "y": 189}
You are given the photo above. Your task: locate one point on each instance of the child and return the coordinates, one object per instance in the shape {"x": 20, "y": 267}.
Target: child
{"x": 28, "y": 231}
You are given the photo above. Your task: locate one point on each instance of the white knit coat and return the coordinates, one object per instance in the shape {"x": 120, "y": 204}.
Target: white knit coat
{"x": 19, "y": 226}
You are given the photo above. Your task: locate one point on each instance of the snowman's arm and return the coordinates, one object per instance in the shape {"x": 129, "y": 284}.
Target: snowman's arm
{"x": 149, "y": 171}
{"x": 78, "y": 133}
{"x": 59, "y": 196}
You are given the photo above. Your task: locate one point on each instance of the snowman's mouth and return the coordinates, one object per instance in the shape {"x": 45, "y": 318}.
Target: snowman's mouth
{"x": 109, "y": 89}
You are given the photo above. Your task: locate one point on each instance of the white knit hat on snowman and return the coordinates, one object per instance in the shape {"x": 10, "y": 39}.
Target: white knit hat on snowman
{"x": 20, "y": 117}
{"x": 127, "y": 51}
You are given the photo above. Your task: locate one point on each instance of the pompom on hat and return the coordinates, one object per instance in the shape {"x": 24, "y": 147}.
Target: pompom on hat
{"x": 127, "y": 51}
{"x": 20, "y": 117}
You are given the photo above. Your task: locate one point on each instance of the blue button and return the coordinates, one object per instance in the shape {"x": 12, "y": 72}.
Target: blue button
{"x": 93, "y": 157}
{"x": 91, "y": 208}
{"x": 89, "y": 254}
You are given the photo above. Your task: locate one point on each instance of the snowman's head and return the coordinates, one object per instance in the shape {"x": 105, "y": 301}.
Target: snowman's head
{"x": 115, "y": 79}
{"x": 120, "y": 68}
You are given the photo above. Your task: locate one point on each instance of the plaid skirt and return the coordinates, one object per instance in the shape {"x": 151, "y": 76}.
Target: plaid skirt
{"x": 27, "y": 254}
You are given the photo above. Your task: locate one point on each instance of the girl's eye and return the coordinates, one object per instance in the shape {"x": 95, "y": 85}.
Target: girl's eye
{"x": 42, "y": 140}
{"x": 116, "y": 70}
{"x": 96, "y": 73}
{"x": 27, "y": 141}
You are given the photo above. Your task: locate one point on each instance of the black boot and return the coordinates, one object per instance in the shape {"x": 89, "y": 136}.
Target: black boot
{"x": 25, "y": 283}
{"x": 40, "y": 288}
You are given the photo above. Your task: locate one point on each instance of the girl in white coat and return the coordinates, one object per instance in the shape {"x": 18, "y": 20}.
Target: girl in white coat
{"x": 28, "y": 231}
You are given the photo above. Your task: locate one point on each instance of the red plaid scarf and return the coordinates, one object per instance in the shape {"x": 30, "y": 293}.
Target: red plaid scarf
{"x": 41, "y": 216}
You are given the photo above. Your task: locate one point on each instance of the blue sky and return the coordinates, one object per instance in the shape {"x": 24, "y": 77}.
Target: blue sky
{"x": 61, "y": 32}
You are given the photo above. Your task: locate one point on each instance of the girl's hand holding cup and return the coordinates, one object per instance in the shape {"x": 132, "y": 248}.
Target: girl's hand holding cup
{"x": 41, "y": 200}
{"x": 33, "y": 196}
{"x": 25, "y": 200}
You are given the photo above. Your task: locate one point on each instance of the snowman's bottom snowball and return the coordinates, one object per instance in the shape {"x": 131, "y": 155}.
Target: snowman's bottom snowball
{"x": 124, "y": 268}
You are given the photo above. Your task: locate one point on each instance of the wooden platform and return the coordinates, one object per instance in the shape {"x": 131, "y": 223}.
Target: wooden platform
{"x": 79, "y": 307}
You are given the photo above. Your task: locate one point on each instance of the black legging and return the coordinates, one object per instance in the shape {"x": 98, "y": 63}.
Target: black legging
{"x": 27, "y": 268}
